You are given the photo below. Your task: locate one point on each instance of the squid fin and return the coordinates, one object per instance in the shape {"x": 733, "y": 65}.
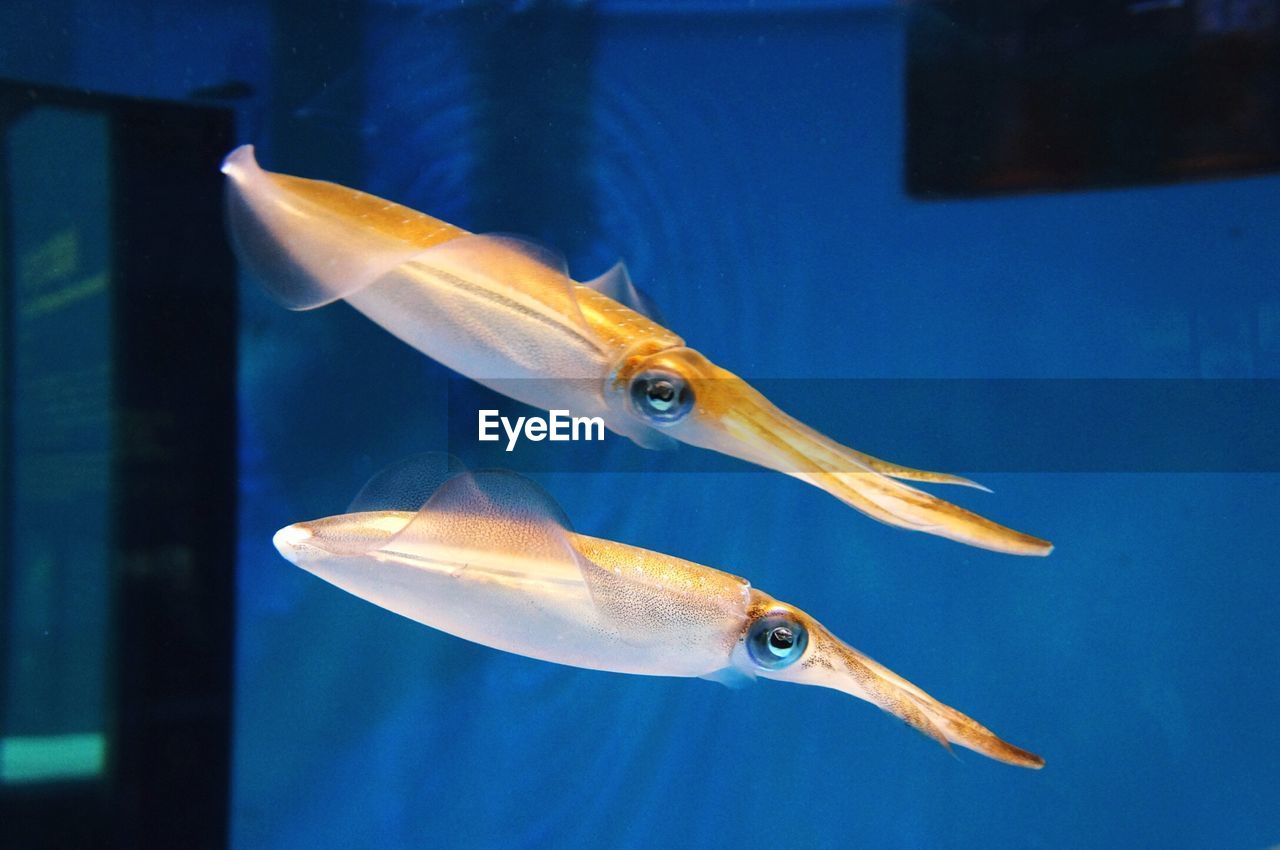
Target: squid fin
{"x": 407, "y": 484}
{"x": 616, "y": 284}
{"x": 296, "y": 235}
{"x": 491, "y": 513}
{"x": 311, "y": 243}
{"x": 643, "y": 436}
{"x": 730, "y": 677}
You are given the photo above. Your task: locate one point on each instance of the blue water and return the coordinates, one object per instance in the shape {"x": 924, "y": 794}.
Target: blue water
{"x": 749, "y": 168}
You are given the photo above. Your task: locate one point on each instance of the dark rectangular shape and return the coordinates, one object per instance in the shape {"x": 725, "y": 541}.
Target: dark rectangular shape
{"x": 118, "y": 450}
{"x": 1009, "y": 96}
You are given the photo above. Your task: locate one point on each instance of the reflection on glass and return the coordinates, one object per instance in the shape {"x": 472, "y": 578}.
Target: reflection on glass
{"x": 57, "y": 549}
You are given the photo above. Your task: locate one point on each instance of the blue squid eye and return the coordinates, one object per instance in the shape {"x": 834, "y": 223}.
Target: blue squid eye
{"x": 776, "y": 641}
{"x": 661, "y": 397}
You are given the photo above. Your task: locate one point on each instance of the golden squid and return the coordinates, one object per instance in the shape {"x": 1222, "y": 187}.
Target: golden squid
{"x": 505, "y": 313}
{"x": 489, "y": 557}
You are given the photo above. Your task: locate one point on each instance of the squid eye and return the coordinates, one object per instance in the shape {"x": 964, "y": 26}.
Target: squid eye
{"x": 661, "y": 397}
{"x": 776, "y": 641}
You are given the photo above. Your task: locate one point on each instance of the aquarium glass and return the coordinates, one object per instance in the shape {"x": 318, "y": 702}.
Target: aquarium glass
{"x": 57, "y": 561}
{"x": 1033, "y": 244}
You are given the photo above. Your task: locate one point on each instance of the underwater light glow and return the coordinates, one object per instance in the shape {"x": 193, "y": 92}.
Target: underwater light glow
{"x": 47, "y": 758}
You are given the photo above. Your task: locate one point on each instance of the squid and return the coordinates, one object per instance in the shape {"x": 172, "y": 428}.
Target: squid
{"x": 504, "y": 312}
{"x": 489, "y": 557}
